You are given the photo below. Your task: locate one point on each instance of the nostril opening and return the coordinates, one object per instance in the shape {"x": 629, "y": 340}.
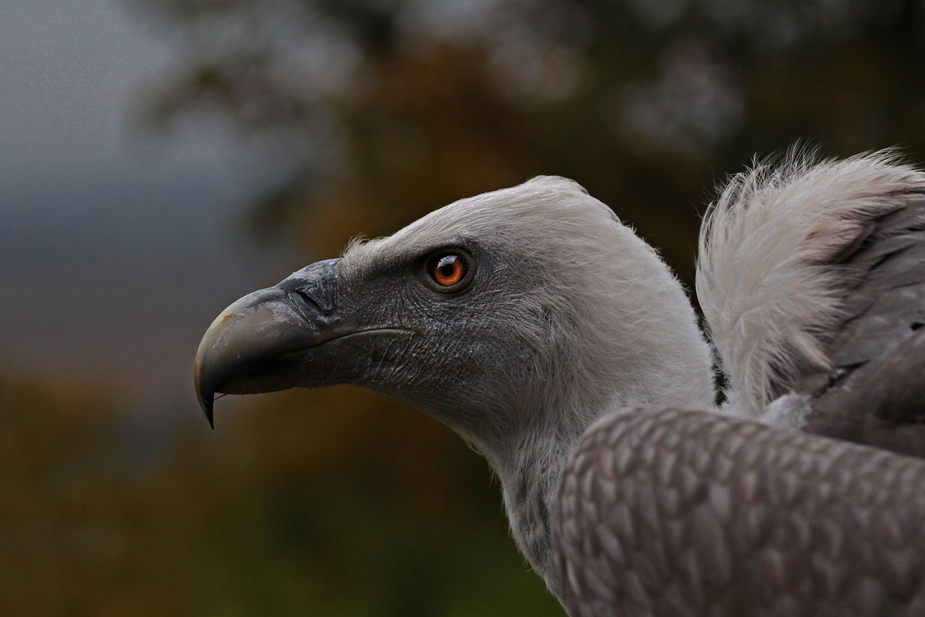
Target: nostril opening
{"x": 305, "y": 303}
{"x": 916, "y": 325}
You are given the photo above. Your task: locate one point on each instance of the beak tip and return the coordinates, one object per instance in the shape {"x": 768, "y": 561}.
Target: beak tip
{"x": 204, "y": 393}
{"x": 205, "y": 401}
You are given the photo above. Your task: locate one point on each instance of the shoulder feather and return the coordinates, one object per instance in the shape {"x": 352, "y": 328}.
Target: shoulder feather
{"x": 767, "y": 275}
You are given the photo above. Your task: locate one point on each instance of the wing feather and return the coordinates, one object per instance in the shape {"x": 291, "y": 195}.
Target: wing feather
{"x": 812, "y": 278}
{"x": 761, "y": 521}
{"x": 874, "y": 392}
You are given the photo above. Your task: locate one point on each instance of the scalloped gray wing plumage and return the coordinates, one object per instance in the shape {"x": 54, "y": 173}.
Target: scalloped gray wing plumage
{"x": 667, "y": 512}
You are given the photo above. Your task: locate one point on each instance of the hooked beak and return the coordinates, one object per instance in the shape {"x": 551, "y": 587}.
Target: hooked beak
{"x": 259, "y": 343}
{"x": 291, "y": 335}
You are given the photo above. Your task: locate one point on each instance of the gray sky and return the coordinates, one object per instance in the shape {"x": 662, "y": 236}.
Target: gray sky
{"x": 67, "y": 69}
{"x": 115, "y": 254}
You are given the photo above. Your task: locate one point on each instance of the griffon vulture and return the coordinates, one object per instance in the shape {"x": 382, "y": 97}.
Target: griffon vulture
{"x": 547, "y": 333}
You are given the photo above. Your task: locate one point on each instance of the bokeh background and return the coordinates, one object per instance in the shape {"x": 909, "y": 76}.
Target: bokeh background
{"x": 160, "y": 158}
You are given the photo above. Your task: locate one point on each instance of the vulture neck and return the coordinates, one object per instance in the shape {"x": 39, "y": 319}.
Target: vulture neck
{"x": 670, "y": 366}
{"x": 530, "y": 487}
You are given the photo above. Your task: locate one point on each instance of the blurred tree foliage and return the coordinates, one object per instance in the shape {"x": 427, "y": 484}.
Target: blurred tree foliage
{"x": 378, "y": 111}
{"x": 372, "y": 113}
{"x": 357, "y": 509}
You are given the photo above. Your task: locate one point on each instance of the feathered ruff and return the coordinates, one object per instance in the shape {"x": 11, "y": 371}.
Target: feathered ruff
{"x": 765, "y": 275}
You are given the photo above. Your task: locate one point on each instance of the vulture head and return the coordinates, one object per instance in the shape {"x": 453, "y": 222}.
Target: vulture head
{"x": 517, "y": 317}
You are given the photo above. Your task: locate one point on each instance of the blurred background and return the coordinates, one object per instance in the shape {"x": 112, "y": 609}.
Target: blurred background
{"x": 160, "y": 158}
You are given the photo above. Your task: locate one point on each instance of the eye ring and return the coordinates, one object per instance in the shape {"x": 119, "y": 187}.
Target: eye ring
{"x": 448, "y": 271}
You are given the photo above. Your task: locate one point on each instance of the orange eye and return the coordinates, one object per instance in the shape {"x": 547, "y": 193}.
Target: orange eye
{"x": 448, "y": 270}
